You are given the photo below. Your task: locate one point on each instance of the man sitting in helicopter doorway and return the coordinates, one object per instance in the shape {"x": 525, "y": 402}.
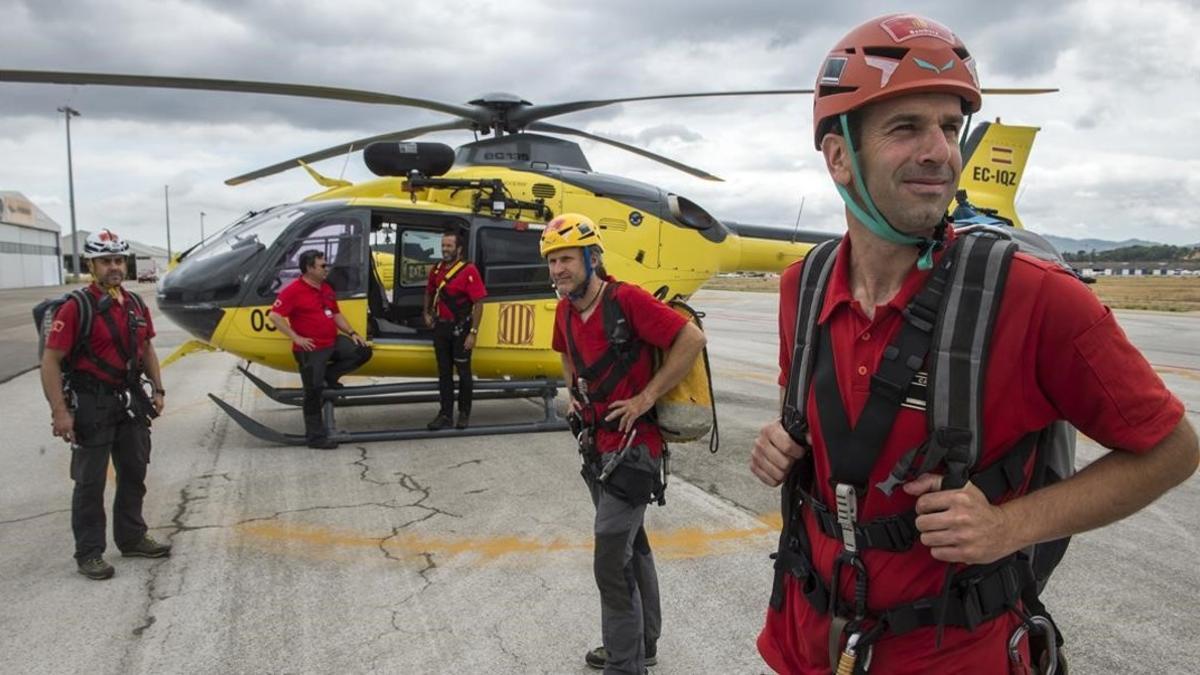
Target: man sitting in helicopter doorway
{"x": 307, "y": 312}
{"x": 452, "y": 310}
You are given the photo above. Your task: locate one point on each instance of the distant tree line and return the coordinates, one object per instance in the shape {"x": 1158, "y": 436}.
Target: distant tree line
{"x": 1156, "y": 253}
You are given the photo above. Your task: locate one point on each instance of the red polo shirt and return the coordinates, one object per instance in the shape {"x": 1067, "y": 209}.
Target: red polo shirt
{"x": 465, "y": 286}
{"x": 1056, "y": 352}
{"x": 653, "y": 322}
{"x": 310, "y": 312}
{"x": 66, "y": 327}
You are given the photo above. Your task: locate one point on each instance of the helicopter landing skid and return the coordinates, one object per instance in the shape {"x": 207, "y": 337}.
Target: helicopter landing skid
{"x": 396, "y": 394}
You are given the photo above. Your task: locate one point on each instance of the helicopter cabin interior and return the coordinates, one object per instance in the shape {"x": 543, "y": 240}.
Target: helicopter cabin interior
{"x": 505, "y": 253}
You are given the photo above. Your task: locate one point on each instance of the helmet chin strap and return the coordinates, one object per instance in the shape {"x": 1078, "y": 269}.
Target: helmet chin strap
{"x": 587, "y": 276}
{"x": 873, "y": 219}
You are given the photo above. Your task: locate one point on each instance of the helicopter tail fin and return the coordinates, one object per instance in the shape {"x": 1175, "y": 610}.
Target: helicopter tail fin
{"x": 995, "y": 156}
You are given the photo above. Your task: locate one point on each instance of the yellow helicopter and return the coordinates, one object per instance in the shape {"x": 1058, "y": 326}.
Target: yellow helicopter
{"x": 382, "y": 236}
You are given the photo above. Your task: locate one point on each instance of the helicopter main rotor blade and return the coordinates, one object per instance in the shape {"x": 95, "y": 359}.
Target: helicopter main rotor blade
{"x": 1018, "y": 91}
{"x": 537, "y": 112}
{"x": 347, "y": 147}
{"x": 556, "y": 129}
{"x": 243, "y": 86}
{"x": 527, "y": 115}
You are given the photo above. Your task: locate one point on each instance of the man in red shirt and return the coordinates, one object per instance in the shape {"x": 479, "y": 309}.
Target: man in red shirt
{"x": 452, "y": 310}
{"x": 97, "y": 405}
{"x": 889, "y": 107}
{"x": 613, "y": 390}
{"x": 307, "y": 312}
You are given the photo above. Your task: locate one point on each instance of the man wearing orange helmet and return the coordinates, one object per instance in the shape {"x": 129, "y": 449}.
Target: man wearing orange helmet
{"x": 606, "y": 332}
{"x": 926, "y": 578}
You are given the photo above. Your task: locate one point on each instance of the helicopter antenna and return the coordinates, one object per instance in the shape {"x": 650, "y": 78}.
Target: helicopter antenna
{"x": 796, "y": 229}
{"x": 346, "y": 163}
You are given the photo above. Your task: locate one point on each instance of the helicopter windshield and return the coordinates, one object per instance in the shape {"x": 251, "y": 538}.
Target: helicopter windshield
{"x": 261, "y": 228}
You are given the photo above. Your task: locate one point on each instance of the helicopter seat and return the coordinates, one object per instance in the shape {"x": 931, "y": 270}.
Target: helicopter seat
{"x": 378, "y": 305}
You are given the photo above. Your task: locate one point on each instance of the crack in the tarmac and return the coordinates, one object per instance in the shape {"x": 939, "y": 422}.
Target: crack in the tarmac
{"x": 213, "y": 441}
{"x": 470, "y": 461}
{"x": 27, "y": 518}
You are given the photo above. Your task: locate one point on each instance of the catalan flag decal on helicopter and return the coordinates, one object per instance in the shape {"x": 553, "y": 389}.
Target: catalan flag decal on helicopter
{"x": 516, "y": 324}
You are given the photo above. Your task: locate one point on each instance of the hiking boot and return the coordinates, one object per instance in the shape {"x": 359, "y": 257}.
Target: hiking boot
{"x": 440, "y": 422}
{"x": 322, "y": 443}
{"x": 146, "y": 547}
{"x": 95, "y": 568}
{"x": 463, "y": 420}
{"x": 598, "y": 658}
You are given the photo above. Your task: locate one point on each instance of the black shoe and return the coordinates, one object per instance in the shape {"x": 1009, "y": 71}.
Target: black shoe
{"x": 463, "y": 420}
{"x": 146, "y": 547}
{"x": 322, "y": 443}
{"x": 598, "y": 658}
{"x": 440, "y": 422}
{"x": 95, "y": 568}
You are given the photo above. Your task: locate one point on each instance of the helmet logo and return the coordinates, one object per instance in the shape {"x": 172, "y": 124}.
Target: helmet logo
{"x": 929, "y": 66}
{"x": 832, "y": 72}
{"x": 886, "y": 68}
{"x": 906, "y": 27}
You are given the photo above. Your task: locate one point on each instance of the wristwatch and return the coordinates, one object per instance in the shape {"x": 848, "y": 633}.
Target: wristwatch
{"x": 474, "y": 331}
{"x": 160, "y": 392}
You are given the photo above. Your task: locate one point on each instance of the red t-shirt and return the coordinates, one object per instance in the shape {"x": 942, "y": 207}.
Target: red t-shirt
{"x": 653, "y": 322}
{"x": 1056, "y": 352}
{"x": 465, "y": 286}
{"x": 66, "y": 326}
{"x": 310, "y": 312}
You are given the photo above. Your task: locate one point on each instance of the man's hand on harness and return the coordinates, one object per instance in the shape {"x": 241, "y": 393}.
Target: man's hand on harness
{"x": 959, "y": 526}
{"x": 63, "y": 423}
{"x": 629, "y": 410}
{"x": 774, "y": 453}
{"x": 159, "y": 401}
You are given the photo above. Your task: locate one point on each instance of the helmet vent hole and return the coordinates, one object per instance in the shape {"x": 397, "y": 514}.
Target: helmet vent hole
{"x": 826, "y": 90}
{"x": 894, "y": 53}
{"x": 962, "y": 53}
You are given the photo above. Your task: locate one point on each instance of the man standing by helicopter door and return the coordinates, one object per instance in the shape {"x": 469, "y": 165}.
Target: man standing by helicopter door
{"x": 92, "y": 377}
{"x": 607, "y": 357}
{"x": 452, "y": 310}
{"x": 307, "y": 313}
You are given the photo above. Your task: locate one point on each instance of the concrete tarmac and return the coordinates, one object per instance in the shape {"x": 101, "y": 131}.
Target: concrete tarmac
{"x": 474, "y": 555}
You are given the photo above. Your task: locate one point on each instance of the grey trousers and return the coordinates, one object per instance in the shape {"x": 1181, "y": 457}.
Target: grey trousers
{"x": 630, "y": 613}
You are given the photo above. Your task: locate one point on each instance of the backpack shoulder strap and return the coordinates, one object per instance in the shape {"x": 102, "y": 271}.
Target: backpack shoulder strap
{"x": 958, "y": 358}
{"x": 87, "y": 312}
{"x": 814, "y": 278}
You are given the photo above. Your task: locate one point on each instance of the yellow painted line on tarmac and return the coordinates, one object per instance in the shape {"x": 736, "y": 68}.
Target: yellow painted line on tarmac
{"x": 681, "y": 544}
{"x": 1190, "y": 373}
{"x": 749, "y": 376}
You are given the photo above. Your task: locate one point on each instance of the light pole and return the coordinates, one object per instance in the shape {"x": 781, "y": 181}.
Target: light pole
{"x": 69, "y": 112}
{"x": 201, "y": 226}
{"x": 167, "y": 205}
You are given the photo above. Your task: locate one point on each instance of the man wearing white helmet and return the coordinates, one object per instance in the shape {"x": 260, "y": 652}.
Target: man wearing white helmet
{"x": 94, "y": 385}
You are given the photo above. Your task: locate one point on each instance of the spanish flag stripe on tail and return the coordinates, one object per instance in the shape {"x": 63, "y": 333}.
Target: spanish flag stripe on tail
{"x": 994, "y": 164}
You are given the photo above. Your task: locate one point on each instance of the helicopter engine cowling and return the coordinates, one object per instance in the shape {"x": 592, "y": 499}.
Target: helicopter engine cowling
{"x": 400, "y": 159}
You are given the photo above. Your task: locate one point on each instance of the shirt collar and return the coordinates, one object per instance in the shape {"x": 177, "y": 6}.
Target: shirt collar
{"x": 839, "y": 292}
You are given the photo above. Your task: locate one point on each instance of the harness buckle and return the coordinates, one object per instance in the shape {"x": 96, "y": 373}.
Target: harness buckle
{"x": 847, "y": 515}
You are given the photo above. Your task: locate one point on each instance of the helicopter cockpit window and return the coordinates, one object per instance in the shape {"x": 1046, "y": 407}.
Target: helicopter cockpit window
{"x": 340, "y": 237}
{"x": 420, "y": 250}
{"x": 258, "y": 230}
{"x": 511, "y": 264}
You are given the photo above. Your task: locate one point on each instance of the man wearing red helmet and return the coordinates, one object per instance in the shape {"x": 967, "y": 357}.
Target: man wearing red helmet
{"x": 890, "y": 100}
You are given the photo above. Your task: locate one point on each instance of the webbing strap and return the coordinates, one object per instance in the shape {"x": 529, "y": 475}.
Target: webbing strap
{"x": 455, "y": 306}
{"x": 961, "y": 340}
{"x": 814, "y": 279}
{"x": 853, "y": 451}
{"x": 603, "y": 374}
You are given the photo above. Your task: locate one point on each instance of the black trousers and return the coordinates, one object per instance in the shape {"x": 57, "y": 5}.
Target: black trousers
{"x": 321, "y": 368}
{"x": 103, "y": 429}
{"x": 452, "y": 354}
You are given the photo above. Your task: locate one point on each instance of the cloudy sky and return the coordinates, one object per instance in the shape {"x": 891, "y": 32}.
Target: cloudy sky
{"x": 1118, "y": 155}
